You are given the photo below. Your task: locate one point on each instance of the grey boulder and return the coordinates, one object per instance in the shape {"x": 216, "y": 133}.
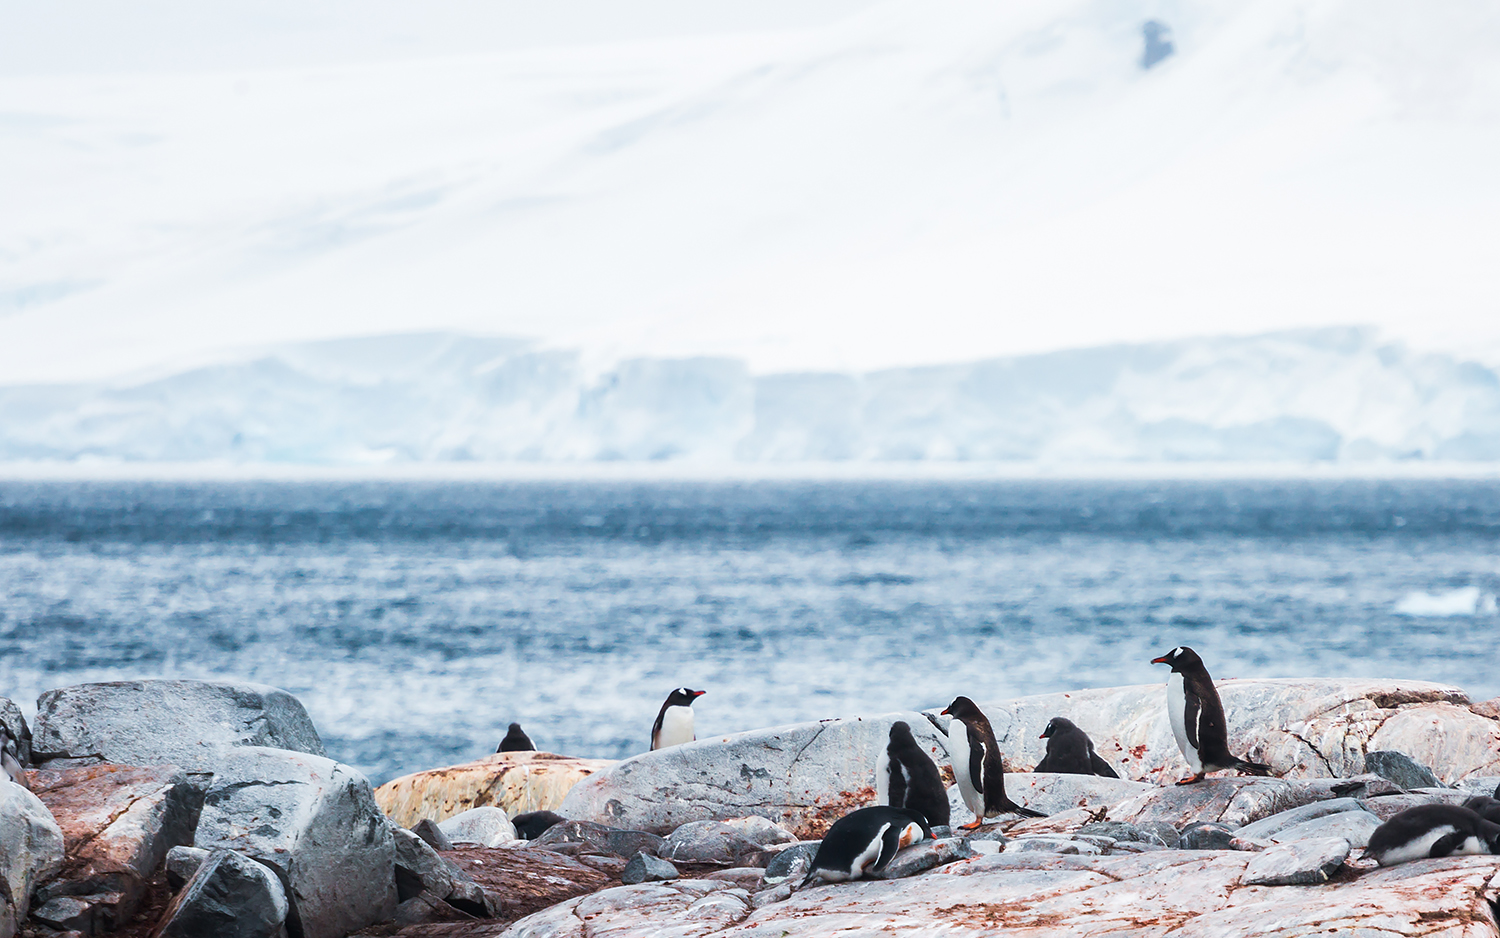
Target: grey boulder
{"x": 14, "y": 724}
{"x": 422, "y": 870}
{"x": 1301, "y": 863}
{"x": 707, "y": 842}
{"x": 1267, "y": 827}
{"x": 1154, "y": 833}
{"x": 1401, "y": 769}
{"x": 803, "y": 777}
{"x": 1209, "y": 835}
{"x": 923, "y": 856}
{"x": 228, "y": 896}
{"x": 314, "y": 822}
{"x": 1232, "y": 801}
{"x": 184, "y": 723}
{"x": 601, "y": 838}
{"x": 31, "y": 851}
{"x": 428, "y": 830}
{"x": 486, "y": 826}
{"x": 182, "y": 863}
{"x": 644, "y": 868}
{"x": 790, "y": 863}
{"x": 1355, "y": 827}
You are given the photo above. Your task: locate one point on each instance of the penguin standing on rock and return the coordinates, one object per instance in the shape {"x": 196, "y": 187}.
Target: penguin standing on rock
{"x": 906, "y": 777}
{"x": 977, "y": 765}
{"x": 1197, "y": 717}
{"x": 516, "y": 740}
{"x": 674, "y": 724}
{"x": 1070, "y": 751}
{"x": 864, "y": 841}
{"x": 1432, "y": 830}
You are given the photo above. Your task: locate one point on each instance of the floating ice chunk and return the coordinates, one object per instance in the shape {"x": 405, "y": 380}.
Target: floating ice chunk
{"x": 1464, "y": 601}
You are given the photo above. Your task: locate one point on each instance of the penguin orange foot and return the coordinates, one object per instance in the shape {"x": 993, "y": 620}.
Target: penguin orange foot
{"x": 973, "y": 825}
{"x": 1191, "y": 779}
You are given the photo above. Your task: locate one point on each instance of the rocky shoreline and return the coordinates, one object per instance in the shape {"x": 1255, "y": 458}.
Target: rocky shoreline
{"x": 180, "y": 809}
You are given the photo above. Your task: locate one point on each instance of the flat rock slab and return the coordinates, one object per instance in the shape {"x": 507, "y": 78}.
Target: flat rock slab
{"x": 31, "y": 851}
{"x": 1302, "y": 727}
{"x": 921, "y": 857}
{"x": 602, "y": 838}
{"x": 525, "y": 880}
{"x": 1042, "y": 896}
{"x": 1352, "y": 826}
{"x": 314, "y": 822}
{"x": 1300, "y": 863}
{"x": 804, "y": 777}
{"x": 184, "y": 723}
{"x": 1268, "y": 827}
{"x": 1232, "y": 801}
{"x": 118, "y": 823}
{"x": 1053, "y": 793}
{"x": 515, "y": 782}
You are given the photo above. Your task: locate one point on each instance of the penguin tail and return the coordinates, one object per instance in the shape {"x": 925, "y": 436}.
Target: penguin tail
{"x": 1025, "y": 811}
{"x": 1252, "y": 768}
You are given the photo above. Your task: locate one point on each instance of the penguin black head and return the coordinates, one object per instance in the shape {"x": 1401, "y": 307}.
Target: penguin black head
{"x": 963, "y": 708}
{"x": 1057, "y": 725}
{"x": 901, "y": 732}
{"x": 1181, "y": 658}
{"x": 683, "y": 697}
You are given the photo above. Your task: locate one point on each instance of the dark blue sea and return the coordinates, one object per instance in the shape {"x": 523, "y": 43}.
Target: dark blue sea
{"x": 416, "y": 619}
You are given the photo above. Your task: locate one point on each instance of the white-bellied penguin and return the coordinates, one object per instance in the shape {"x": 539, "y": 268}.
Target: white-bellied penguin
{"x": 516, "y": 740}
{"x": 1197, "y": 717}
{"x": 10, "y": 759}
{"x": 906, "y": 777}
{"x": 977, "y": 765}
{"x": 1432, "y": 830}
{"x": 674, "y": 724}
{"x": 864, "y": 841}
{"x": 1070, "y": 751}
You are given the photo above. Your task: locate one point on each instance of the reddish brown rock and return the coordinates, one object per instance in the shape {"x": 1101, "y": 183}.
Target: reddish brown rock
{"x": 515, "y": 782}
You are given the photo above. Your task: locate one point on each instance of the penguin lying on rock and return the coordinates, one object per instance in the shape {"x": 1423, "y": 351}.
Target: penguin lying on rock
{"x": 906, "y": 777}
{"x": 1070, "y": 751}
{"x": 864, "y": 841}
{"x": 1432, "y": 830}
{"x": 977, "y": 765}
{"x": 1197, "y": 717}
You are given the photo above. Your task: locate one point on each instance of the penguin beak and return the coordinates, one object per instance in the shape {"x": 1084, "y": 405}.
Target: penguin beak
{"x": 1043, "y": 736}
{"x": 1161, "y": 660}
{"x": 698, "y": 693}
{"x": 942, "y": 713}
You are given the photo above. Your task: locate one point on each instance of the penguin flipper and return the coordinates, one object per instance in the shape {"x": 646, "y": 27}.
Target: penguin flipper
{"x": 1045, "y": 765}
{"x": 1100, "y": 767}
{"x": 1252, "y": 768}
{"x": 1194, "y": 711}
{"x": 977, "y": 750}
{"x": 897, "y": 796}
{"x": 1445, "y": 845}
{"x": 890, "y": 845}
{"x": 1014, "y": 808}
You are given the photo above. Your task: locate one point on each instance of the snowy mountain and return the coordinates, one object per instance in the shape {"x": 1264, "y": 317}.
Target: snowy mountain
{"x": 917, "y": 183}
{"x": 1311, "y": 395}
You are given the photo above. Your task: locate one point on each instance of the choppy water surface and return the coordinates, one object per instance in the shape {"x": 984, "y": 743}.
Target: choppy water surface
{"x": 416, "y": 619}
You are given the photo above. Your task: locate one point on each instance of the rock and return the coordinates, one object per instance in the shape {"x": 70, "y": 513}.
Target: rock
{"x": 1479, "y": 785}
{"x": 1303, "y": 863}
{"x": 1042, "y": 844}
{"x": 118, "y": 822}
{"x": 315, "y": 823}
{"x": 746, "y": 877}
{"x": 609, "y": 866}
{"x": 426, "y": 909}
{"x": 1267, "y": 827}
{"x": 31, "y": 851}
{"x": 602, "y": 838}
{"x": 803, "y": 777}
{"x": 1355, "y": 827}
{"x": 1053, "y": 793}
{"x": 421, "y": 869}
{"x": 791, "y": 863}
{"x": 184, "y": 723}
{"x": 987, "y": 834}
{"x": 526, "y": 879}
{"x": 182, "y": 863}
{"x": 1302, "y": 727}
{"x": 644, "y": 868}
{"x": 488, "y": 827}
{"x": 514, "y": 782}
{"x": 1365, "y": 785}
{"x": 228, "y": 896}
{"x": 428, "y": 830}
{"x": 707, "y": 842}
{"x": 923, "y": 856}
{"x": 762, "y": 831}
{"x": 1158, "y": 834}
{"x": 1064, "y": 822}
{"x": 73, "y": 914}
{"x": 1232, "y": 801}
{"x": 1401, "y": 769}
{"x": 1210, "y": 835}
{"x": 1388, "y": 806}
{"x": 14, "y": 724}
{"x": 1184, "y": 894}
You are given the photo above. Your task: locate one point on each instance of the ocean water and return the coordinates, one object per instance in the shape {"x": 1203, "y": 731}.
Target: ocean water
{"x": 416, "y": 619}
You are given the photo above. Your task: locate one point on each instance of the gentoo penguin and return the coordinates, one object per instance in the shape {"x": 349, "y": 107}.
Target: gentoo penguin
{"x": 864, "y": 841}
{"x": 977, "y": 764}
{"x": 1432, "y": 830}
{"x": 10, "y": 759}
{"x": 906, "y": 777}
{"x": 674, "y": 724}
{"x": 533, "y": 824}
{"x": 1486, "y": 807}
{"x": 516, "y": 740}
{"x": 1197, "y": 717}
{"x": 1070, "y": 751}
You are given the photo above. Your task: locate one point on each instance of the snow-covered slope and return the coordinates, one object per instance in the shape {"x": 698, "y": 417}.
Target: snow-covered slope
{"x": 1313, "y": 395}
{"x": 919, "y": 183}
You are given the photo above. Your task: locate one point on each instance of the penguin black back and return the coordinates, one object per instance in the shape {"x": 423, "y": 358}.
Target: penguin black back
{"x": 1486, "y": 807}
{"x": 1197, "y": 717}
{"x": 1070, "y": 751}
{"x": 865, "y": 840}
{"x": 533, "y": 824}
{"x": 1432, "y": 830}
{"x": 516, "y": 740}
{"x": 910, "y": 777}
